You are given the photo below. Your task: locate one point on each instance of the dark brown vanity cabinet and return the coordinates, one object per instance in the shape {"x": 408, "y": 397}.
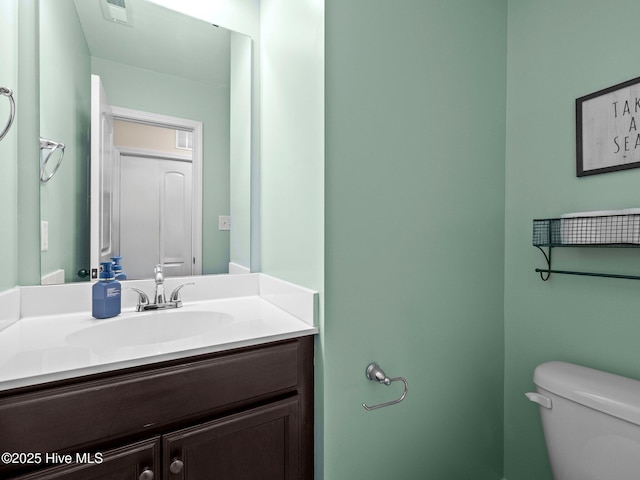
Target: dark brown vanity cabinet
{"x": 237, "y": 415}
{"x": 136, "y": 461}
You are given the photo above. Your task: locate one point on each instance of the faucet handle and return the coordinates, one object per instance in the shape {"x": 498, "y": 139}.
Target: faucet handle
{"x": 175, "y": 295}
{"x": 143, "y": 299}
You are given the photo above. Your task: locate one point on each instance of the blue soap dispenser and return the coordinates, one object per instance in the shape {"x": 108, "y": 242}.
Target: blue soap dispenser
{"x": 106, "y": 293}
{"x": 117, "y": 269}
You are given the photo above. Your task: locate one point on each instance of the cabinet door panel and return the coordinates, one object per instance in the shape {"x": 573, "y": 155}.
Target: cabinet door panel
{"x": 263, "y": 443}
{"x": 125, "y": 463}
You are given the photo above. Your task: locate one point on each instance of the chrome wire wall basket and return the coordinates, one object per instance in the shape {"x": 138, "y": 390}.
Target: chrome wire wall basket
{"x": 572, "y": 230}
{"x": 596, "y": 231}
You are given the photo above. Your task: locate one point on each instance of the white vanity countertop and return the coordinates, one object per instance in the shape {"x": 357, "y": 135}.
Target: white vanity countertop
{"x": 46, "y": 348}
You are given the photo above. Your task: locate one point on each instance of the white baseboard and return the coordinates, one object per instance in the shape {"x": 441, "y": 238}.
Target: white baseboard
{"x": 54, "y": 278}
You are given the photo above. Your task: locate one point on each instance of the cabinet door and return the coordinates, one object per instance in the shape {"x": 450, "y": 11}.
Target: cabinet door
{"x": 137, "y": 461}
{"x": 263, "y": 443}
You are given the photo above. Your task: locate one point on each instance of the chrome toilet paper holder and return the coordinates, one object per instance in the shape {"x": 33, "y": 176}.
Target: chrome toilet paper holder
{"x": 376, "y": 374}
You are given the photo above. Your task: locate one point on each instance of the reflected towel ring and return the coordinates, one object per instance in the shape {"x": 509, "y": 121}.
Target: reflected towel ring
{"x": 50, "y": 144}
{"x": 7, "y": 92}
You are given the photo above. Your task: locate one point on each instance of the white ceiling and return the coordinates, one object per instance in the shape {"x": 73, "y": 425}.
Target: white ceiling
{"x": 158, "y": 39}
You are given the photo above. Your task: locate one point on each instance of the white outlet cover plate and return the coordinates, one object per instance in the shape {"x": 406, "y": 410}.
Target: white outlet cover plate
{"x": 224, "y": 222}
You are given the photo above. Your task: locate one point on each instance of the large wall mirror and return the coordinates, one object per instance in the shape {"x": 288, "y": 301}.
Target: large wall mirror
{"x": 170, "y": 96}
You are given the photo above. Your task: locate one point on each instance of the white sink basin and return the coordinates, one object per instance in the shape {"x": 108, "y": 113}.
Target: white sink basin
{"x": 52, "y": 335}
{"x": 152, "y": 328}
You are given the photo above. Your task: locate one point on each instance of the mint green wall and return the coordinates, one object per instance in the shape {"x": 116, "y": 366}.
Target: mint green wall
{"x": 560, "y": 50}
{"x": 28, "y": 126}
{"x": 9, "y": 145}
{"x": 149, "y": 91}
{"x": 291, "y": 144}
{"x": 415, "y": 135}
{"x": 65, "y": 93}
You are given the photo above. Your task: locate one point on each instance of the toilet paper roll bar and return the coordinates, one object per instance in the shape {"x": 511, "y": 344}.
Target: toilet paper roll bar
{"x": 376, "y": 374}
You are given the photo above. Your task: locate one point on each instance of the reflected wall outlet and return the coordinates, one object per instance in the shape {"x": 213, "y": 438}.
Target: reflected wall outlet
{"x": 224, "y": 222}
{"x": 44, "y": 236}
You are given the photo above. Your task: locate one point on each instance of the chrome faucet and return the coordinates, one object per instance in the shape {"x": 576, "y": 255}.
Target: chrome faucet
{"x": 159, "y": 298}
{"x": 158, "y": 276}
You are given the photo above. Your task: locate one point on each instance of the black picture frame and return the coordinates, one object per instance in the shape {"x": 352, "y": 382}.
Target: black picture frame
{"x": 599, "y": 116}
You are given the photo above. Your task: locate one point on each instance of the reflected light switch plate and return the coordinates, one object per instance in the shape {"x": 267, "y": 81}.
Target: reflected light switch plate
{"x": 224, "y": 222}
{"x": 44, "y": 236}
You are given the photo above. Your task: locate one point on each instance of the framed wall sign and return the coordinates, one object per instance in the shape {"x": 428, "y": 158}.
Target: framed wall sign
{"x": 608, "y": 129}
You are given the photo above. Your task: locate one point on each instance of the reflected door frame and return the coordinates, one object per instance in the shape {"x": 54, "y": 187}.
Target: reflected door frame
{"x": 131, "y": 115}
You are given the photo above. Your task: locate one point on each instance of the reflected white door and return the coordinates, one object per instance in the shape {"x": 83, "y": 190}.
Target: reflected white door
{"x": 155, "y": 216}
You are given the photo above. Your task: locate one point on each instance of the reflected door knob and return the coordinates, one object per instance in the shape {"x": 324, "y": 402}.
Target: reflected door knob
{"x": 176, "y": 466}
{"x": 147, "y": 474}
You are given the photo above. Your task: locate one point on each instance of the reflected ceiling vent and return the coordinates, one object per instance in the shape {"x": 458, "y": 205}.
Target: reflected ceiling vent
{"x": 117, "y": 11}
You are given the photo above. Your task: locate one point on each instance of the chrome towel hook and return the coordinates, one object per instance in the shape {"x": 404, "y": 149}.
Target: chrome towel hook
{"x": 46, "y": 145}
{"x": 376, "y": 374}
{"x": 7, "y": 92}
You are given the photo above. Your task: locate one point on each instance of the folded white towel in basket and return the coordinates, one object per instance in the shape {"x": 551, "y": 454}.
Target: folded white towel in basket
{"x": 601, "y": 227}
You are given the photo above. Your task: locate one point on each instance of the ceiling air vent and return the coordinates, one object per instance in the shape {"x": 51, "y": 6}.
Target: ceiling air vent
{"x": 117, "y": 11}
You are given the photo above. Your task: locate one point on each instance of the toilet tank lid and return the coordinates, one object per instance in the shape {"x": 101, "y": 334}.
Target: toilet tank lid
{"x": 612, "y": 394}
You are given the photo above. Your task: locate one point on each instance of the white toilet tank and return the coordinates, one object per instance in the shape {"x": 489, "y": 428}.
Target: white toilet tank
{"x": 591, "y": 422}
